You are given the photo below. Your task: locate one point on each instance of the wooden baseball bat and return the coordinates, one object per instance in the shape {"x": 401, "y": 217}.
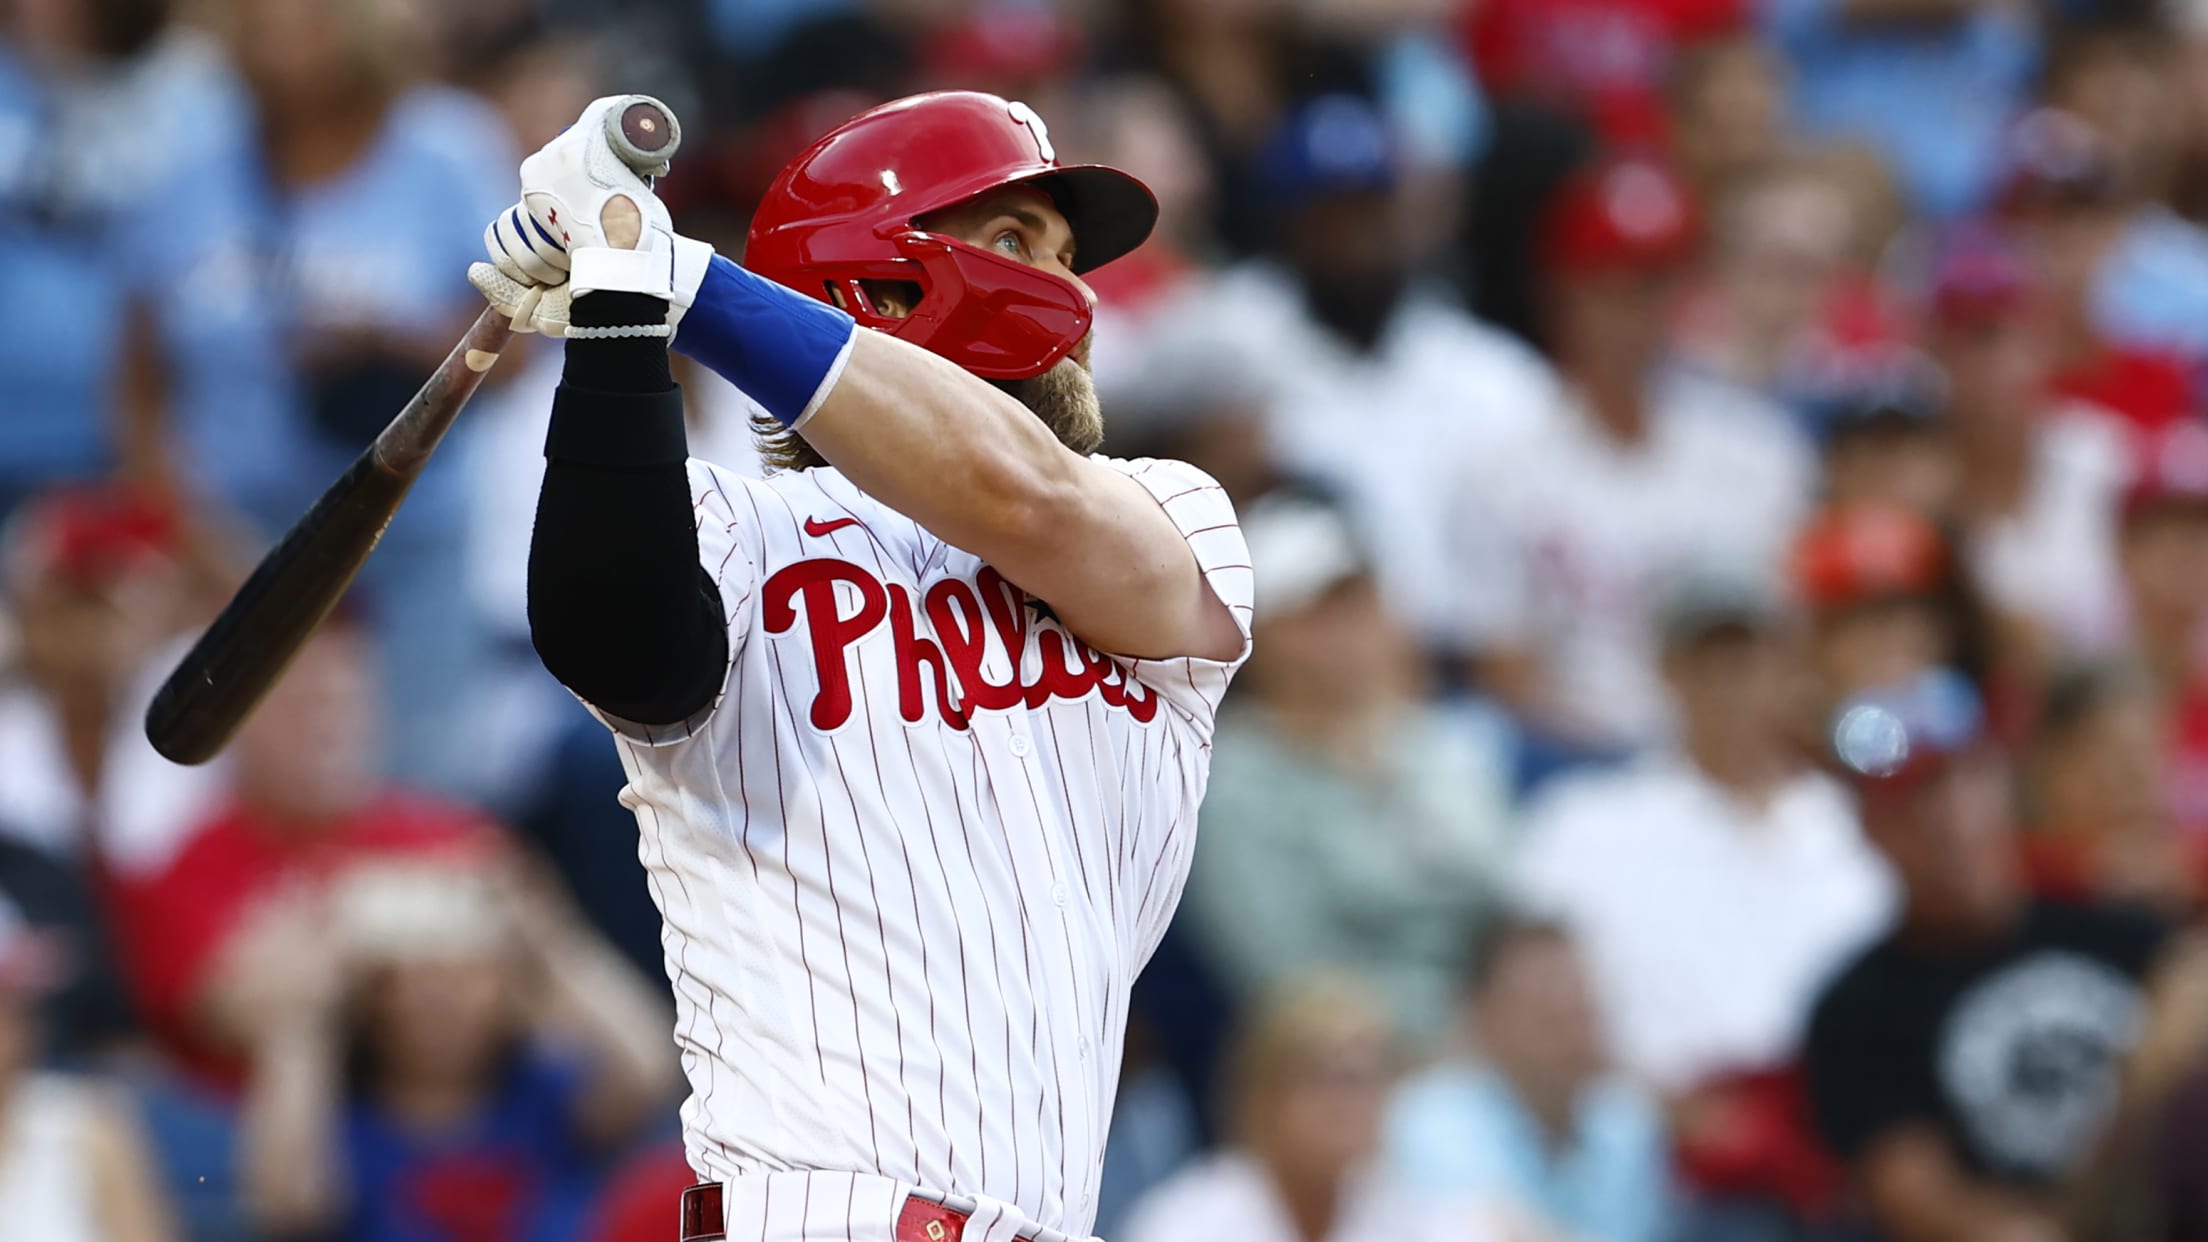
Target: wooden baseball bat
{"x": 226, "y": 673}
{"x": 234, "y": 664}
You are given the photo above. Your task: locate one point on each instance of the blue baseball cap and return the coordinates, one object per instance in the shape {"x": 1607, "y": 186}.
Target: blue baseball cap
{"x": 1333, "y": 145}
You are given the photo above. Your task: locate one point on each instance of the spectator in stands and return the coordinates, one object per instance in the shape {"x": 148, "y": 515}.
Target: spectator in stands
{"x": 1137, "y": 123}
{"x": 2069, "y": 213}
{"x": 442, "y": 1055}
{"x": 1713, "y": 883}
{"x": 1567, "y": 523}
{"x": 346, "y": 134}
{"x": 1350, "y": 823}
{"x": 1528, "y": 1112}
{"x": 1778, "y": 273}
{"x": 1966, "y": 1064}
{"x": 2098, "y": 823}
{"x": 1884, "y": 436}
{"x": 308, "y": 801}
{"x": 122, "y": 241}
{"x": 1875, "y": 70}
{"x": 93, "y": 582}
{"x": 1727, "y": 98}
{"x": 1879, "y": 585}
{"x": 1234, "y": 66}
{"x": 1605, "y": 61}
{"x": 2180, "y": 1178}
{"x": 2039, "y": 476}
{"x": 2164, "y": 551}
{"x": 82, "y": 1013}
{"x": 72, "y": 1165}
{"x": 1310, "y": 1082}
{"x": 2120, "y": 78}
{"x": 1368, "y": 378}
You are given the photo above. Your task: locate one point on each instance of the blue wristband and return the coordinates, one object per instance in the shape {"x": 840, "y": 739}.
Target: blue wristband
{"x": 783, "y": 349}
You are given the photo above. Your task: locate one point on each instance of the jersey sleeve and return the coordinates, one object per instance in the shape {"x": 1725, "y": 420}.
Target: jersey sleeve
{"x": 1191, "y": 686}
{"x": 728, "y": 552}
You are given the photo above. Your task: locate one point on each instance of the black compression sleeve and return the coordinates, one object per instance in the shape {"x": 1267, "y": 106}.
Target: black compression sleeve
{"x": 619, "y": 608}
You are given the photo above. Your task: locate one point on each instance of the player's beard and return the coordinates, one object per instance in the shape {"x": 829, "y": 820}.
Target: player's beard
{"x": 1064, "y": 397}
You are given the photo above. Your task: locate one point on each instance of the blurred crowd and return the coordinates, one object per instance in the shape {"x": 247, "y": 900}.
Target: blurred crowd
{"x": 1726, "y": 754}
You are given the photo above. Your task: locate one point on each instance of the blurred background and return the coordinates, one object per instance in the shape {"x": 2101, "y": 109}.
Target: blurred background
{"x": 1727, "y": 750}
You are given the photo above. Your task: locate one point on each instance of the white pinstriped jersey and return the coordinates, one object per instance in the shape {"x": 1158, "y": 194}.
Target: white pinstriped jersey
{"x": 913, "y": 857}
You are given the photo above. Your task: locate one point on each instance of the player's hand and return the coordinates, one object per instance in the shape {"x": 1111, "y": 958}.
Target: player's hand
{"x": 566, "y": 188}
{"x": 528, "y": 307}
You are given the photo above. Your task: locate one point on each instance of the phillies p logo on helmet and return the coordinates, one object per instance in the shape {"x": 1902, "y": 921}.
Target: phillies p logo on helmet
{"x": 1027, "y": 116}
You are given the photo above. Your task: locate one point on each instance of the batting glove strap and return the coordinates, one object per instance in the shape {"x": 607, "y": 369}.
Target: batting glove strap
{"x": 782, "y": 348}
{"x": 625, "y": 271}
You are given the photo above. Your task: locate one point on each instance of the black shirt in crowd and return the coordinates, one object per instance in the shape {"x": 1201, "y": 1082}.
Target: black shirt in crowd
{"x": 2012, "y": 1049}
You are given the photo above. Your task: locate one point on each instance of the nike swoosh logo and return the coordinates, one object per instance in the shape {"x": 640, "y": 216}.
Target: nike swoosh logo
{"x": 816, "y": 528}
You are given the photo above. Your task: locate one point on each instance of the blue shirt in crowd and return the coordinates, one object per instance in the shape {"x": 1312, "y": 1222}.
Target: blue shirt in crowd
{"x": 1459, "y": 1130}
{"x": 381, "y": 247}
{"x": 1935, "y": 100}
{"x": 119, "y": 189}
{"x": 511, "y": 1173}
{"x": 2152, "y": 289}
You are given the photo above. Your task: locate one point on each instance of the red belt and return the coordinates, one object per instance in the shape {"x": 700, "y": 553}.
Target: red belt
{"x": 703, "y": 1218}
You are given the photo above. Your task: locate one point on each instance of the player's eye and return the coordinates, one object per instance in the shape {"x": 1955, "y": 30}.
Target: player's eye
{"x": 1010, "y": 242}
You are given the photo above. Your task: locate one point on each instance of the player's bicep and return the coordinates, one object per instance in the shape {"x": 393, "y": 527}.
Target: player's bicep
{"x": 1136, "y": 587}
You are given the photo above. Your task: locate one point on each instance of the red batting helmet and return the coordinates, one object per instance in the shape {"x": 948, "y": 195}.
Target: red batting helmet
{"x": 843, "y": 212}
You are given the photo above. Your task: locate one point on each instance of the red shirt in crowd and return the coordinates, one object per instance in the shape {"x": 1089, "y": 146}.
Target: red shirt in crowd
{"x": 173, "y": 926}
{"x": 2150, "y": 391}
{"x": 1606, "y": 60}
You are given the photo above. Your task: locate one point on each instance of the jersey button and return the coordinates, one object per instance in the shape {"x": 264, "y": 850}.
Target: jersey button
{"x": 1081, "y": 1045}
{"x": 1020, "y": 745}
{"x": 1058, "y": 895}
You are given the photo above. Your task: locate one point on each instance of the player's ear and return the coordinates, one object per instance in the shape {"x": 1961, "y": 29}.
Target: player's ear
{"x": 892, "y": 299}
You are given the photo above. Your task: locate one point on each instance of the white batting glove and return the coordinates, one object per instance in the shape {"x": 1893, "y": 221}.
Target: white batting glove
{"x": 565, "y": 187}
{"x": 529, "y": 308}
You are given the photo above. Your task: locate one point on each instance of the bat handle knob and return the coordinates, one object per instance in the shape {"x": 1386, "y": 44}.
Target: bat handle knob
{"x": 644, "y": 133}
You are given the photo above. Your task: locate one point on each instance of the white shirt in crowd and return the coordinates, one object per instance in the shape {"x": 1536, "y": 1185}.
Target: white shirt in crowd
{"x": 1230, "y": 1196}
{"x": 144, "y": 807}
{"x": 2053, "y": 561}
{"x": 1565, "y": 539}
{"x": 1709, "y": 924}
{"x": 912, "y": 859}
{"x": 47, "y": 1189}
{"x": 1393, "y": 429}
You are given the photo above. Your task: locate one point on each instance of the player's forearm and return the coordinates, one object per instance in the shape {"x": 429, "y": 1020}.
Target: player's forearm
{"x": 977, "y": 468}
{"x": 963, "y": 459}
{"x": 966, "y": 461}
{"x": 619, "y": 608}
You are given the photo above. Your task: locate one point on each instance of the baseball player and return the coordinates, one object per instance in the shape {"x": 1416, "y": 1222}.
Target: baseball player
{"x": 915, "y": 727}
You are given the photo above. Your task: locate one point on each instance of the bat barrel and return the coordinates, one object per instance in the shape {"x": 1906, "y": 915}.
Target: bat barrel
{"x": 291, "y": 591}
{"x": 231, "y": 667}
